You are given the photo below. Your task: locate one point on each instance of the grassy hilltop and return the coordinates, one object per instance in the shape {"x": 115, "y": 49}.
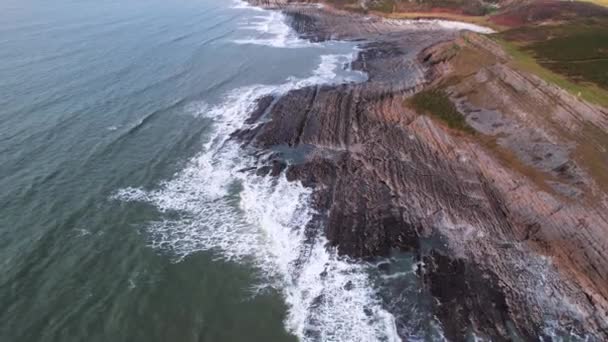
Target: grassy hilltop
{"x": 563, "y": 42}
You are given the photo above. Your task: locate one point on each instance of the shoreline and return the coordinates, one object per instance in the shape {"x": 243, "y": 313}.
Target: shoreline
{"x": 385, "y": 178}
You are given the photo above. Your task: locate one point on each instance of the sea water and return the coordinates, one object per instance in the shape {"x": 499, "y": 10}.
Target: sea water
{"x": 125, "y": 211}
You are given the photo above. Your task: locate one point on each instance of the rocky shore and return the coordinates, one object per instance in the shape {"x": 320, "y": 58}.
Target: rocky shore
{"x": 510, "y": 222}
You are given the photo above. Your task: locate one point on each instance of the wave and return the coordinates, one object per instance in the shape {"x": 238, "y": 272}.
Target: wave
{"x": 213, "y": 205}
{"x": 272, "y": 30}
{"x": 240, "y": 4}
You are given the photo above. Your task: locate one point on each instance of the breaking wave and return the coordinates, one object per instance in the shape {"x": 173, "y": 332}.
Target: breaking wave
{"x": 270, "y": 29}
{"x": 212, "y": 204}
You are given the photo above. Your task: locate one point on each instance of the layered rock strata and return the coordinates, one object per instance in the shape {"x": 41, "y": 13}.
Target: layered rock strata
{"x": 513, "y": 234}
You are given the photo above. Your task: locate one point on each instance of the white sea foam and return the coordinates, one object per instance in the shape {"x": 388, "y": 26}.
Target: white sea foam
{"x": 262, "y": 221}
{"x": 330, "y": 298}
{"x": 555, "y": 332}
{"x": 271, "y": 29}
{"x": 197, "y": 109}
{"x": 396, "y": 275}
{"x": 326, "y": 72}
{"x": 239, "y": 4}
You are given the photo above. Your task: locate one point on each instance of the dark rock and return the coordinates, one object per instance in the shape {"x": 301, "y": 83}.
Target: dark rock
{"x": 262, "y": 106}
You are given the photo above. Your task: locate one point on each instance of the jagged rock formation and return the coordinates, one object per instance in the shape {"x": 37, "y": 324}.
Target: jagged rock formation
{"x": 511, "y": 223}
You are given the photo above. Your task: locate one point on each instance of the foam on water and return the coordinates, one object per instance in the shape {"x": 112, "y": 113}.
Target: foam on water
{"x": 554, "y": 332}
{"x": 196, "y": 109}
{"x": 239, "y": 4}
{"x": 270, "y": 29}
{"x": 326, "y": 72}
{"x": 262, "y": 221}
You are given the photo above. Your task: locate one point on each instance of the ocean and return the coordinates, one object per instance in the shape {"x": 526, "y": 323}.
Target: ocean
{"x": 125, "y": 213}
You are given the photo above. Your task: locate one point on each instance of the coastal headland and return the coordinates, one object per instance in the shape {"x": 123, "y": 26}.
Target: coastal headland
{"x": 493, "y": 176}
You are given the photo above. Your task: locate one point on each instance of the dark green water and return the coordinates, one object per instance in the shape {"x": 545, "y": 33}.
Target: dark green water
{"x": 123, "y": 213}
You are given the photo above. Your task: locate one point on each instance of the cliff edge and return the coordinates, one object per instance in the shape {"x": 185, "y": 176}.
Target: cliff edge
{"x": 493, "y": 177}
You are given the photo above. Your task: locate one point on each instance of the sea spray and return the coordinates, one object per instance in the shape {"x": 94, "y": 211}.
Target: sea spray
{"x": 271, "y": 30}
{"x": 329, "y": 297}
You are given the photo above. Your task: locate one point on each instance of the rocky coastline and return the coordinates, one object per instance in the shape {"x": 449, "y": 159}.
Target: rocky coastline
{"x": 509, "y": 222}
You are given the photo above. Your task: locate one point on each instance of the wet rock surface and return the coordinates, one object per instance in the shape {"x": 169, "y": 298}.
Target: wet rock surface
{"x": 510, "y": 255}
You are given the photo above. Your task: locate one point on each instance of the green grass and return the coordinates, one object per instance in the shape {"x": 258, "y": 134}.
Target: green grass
{"x": 592, "y": 44}
{"x": 436, "y": 103}
{"x": 588, "y": 71}
{"x": 573, "y": 55}
{"x": 524, "y": 60}
{"x": 583, "y": 57}
{"x": 385, "y": 6}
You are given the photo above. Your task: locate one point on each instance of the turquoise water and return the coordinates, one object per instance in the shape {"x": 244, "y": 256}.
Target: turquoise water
{"x": 124, "y": 211}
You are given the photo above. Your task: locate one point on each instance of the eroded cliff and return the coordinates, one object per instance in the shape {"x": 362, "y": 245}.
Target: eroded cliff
{"x": 509, "y": 220}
